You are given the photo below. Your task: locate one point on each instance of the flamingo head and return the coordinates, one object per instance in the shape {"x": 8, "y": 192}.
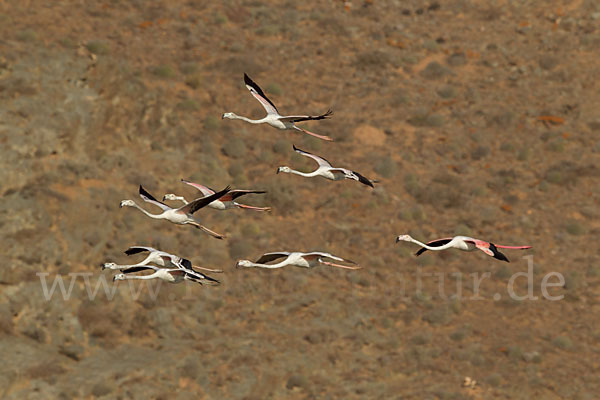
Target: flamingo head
{"x": 170, "y": 196}
{"x": 405, "y": 238}
{"x": 243, "y": 264}
{"x": 228, "y": 115}
{"x": 127, "y": 203}
{"x": 119, "y": 277}
{"x": 287, "y": 170}
{"x": 109, "y": 265}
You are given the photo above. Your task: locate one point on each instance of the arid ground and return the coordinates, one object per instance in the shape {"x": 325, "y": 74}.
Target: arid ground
{"x": 479, "y": 118}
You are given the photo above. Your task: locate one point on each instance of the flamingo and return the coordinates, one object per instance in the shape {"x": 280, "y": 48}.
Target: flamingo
{"x": 273, "y": 117}
{"x": 326, "y": 170}
{"x": 182, "y": 215}
{"x": 161, "y": 258}
{"x": 464, "y": 243}
{"x": 225, "y": 202}
{"x": 305, "y": 260}
{"x": 171, "y": 275}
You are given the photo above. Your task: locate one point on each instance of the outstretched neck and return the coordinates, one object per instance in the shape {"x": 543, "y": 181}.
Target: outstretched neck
{"x": 155, "y": 216}
{"x": 271, "y": 266}
{"x": 308, "y": 175}
{"x": 251, "y": 121}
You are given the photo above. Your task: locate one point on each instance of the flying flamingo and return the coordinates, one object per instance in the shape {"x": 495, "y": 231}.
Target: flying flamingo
{"x": 225, "y": 202}
{"x": 326, "y": 170}
{"x": 464, "y": 243}
{"x": 182, "y": 215}
{"x": 305, "y": 260}
{"x": 171, "y": 275}
{"x": 273, "y": 117}
{"x": 161, "y": 258}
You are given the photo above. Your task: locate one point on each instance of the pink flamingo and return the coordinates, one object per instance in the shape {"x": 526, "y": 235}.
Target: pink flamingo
{"x": 464, "y": 243}
{"x": 225, "y": 202}
{"x": 273, "y": 117}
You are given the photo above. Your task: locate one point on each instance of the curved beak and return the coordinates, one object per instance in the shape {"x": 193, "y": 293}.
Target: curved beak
{"x": 277, "y": 171}
{"x": 397, "y": 239}
{"x": 223, "y": 116}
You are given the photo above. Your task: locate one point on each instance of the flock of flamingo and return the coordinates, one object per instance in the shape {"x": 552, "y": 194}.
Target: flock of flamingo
{"x": 175, "y": 269}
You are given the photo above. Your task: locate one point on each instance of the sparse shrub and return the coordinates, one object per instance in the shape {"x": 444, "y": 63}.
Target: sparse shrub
{"x": 220, "y": 18}
{"x": 250, "y": 229}
{"x": 562, "y": 342}
{"x": 447, "y": 92}
{"x": 97, "y": 47}
{"x": 211, "y": 123}
{"x": 515, "y": 353}
{"x": 437, "y": 316}
{"x": 189, "y": 68}
{"x": 235, "y": 147}
{"x": 493, "y": 379}
{"x": 236, "y": 170}
{"x": 523, "y": 154}
{"x": 188, "y": 105}
{"x": 274, "y": 89}
{"x": 411, "y": 184}
{"x": 193, "y": 81}
{"x": 574, "y": 227}
{"x": 386, "y": 167}
{"x": 162, "y": 71}
{"x": 421, "y": 339}
{"x": 282, "y": 146}
{"x": 434, "y": 70}
{"x": 240, "y": 249}
{"x": 507, "y": 146}
{"x": 480, "y": 152}
{"x": 27, "y": 35}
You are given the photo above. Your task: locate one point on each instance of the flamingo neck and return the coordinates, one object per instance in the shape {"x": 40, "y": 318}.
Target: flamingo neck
{"x": 251, "y": 121}
{"x": 155, "y": 216}
{"x": 307, "y": 175}
{"x": 271, "y": 266}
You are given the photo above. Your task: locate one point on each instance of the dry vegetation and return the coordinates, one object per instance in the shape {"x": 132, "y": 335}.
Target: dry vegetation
{"x": 477, "y": 119}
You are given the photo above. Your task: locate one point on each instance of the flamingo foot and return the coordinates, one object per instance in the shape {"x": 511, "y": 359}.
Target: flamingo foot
{"x": 323, "y": 137}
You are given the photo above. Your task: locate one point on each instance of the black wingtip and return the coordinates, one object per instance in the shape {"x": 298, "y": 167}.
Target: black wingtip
{"x": 247, "y": 79}
{"x": 295, "y": 148}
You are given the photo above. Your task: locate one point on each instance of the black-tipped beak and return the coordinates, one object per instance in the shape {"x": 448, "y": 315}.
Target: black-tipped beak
{"x": 277, "y": 171}
{"x": 103, "y": 267}
{"x": 114, "y": 278}
{"x": 397, "y": 239}
{"x": 223, "y": 116}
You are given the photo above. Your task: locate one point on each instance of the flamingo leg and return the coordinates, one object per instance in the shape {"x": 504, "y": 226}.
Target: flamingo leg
{"x": 253, "y": 208}
{"x": 218, "y": 271}
{"x": 340, "y": 266}
{"x": 323, "y": 137}
{"x": 513, "y": 247}
{"x": 212, "y": 233}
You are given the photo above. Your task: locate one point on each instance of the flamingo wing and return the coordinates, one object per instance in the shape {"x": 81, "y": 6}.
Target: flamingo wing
{"x": 202, "y": 202}
{"x": 267, "y": 257}
{"x": 300, "y": 118}
{"x": 433, "y": 243}
{"x": 329, "y": 255}
{"x": 239, "y": 192}
{"x": 147, "y": 197}
{"x": 320, "y": 160}
{"x": 259, "y": 95}
{"x": 206, "y": 191}
{"x": 139, "y": 249}
{"x": 363, "y": 179}
{"x": 137, "y": 269}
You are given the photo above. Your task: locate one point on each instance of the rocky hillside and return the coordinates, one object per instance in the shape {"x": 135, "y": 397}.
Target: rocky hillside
{"x": 477, "y": 118}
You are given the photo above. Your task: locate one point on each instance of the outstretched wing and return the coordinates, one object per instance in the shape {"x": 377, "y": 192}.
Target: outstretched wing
{"x": 322, "y": 162}
{"x": 329, "y": 255}
{"x": 138, "y": 269}
{"x": 300, "y": 118}
{"x": 234, "y": 194}
{"x": 267, "y": 257}
{"x": 363, "y": 179}
{"x": 139, "y": 249}
{"x": 205, "y": 190}
{"x": 260, "y": 95}
{"x": 204, "y": 201}
{"x": 433, "y": 243}
{"x": 147, "y": 197}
